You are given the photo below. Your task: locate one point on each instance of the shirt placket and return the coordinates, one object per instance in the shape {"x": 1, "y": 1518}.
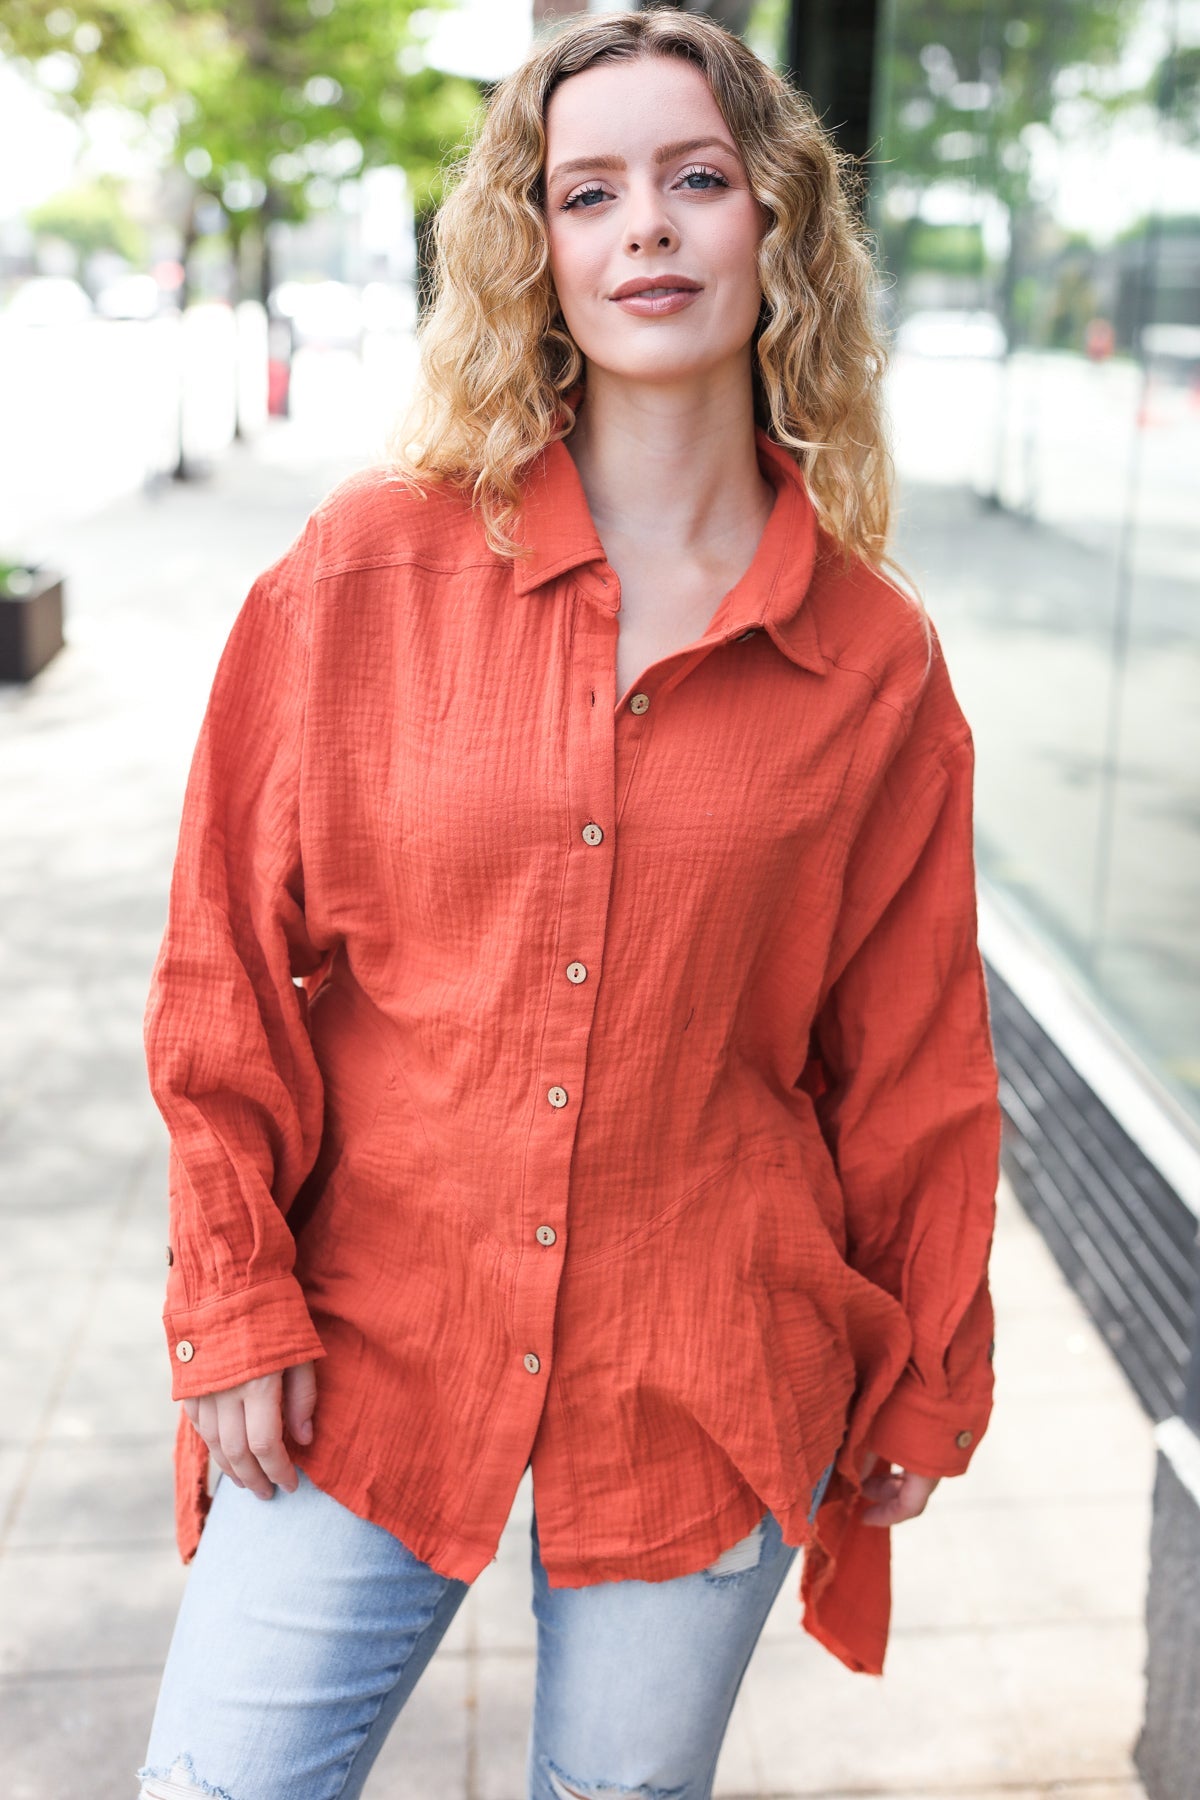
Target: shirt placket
{"x": 582, "y": 886}
{"x": 603, "y": 744}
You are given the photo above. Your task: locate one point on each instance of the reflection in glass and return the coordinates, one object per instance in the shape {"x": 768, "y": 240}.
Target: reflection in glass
{"x": 1036, "y": 202}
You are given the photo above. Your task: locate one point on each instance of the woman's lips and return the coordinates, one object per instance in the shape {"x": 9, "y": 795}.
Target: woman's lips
{"x": 655, "y": 302}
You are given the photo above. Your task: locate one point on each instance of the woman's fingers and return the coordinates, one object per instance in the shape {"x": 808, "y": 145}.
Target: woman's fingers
{"x": 261, "y": 1460}
{"x": 884, "y": 1490}
{"x": 898, "y": 1495}
{"x": 300, "y": 1400}
{"x": 235, "y": 1445}
{"x": 243, "y": 1427}
{"x": 207, "y": 1423}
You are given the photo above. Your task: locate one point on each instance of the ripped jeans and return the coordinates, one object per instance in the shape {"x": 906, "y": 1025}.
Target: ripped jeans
{"x": 303, "y": 1630}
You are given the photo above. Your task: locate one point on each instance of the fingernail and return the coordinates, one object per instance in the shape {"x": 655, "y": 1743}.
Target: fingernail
{"x": 304, "y": 1433}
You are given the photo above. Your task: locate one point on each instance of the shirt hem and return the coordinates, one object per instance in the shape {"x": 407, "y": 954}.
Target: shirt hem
{"x": 692, "y": 1550}
{"x": 700, "y": 1543}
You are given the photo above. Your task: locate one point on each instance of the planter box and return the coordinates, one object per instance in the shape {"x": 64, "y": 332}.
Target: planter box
{"x": 31, "y": 627}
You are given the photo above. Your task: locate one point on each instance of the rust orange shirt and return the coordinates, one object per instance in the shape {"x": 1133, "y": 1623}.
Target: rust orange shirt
{"x": 595, "y": 1080}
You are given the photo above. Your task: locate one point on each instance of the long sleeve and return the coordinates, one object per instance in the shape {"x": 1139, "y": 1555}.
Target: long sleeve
{"x": 229, "y": 1059}
{"x": 910, "y": 1109}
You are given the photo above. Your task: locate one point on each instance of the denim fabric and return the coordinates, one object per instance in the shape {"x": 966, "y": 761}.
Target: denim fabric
{"x": 303, "y": 1630}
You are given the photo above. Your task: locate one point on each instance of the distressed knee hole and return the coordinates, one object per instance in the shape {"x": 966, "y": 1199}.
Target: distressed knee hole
{"x": 745, "y": 1554}
{"x": 566, "y": 1787}
{"x": 179, "y": 1782}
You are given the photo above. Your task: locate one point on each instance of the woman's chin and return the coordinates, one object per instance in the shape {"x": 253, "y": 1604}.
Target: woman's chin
{"x": 651, "y": 368}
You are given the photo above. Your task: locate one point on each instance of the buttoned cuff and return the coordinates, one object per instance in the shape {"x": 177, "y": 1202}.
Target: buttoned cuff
{"x": 229, "y": 1340}
{"x": 929, "y": 1437}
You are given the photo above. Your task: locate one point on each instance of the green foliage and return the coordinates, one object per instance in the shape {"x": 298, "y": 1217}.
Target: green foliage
{"x": 96, "y": 44}
{"x": 973, "y": 92}
{"x": 92, "y": 216}
{"x": 948, "y": 249}
{"x": 1178, "y": 92}
{"x": 967, "y": 82}
{"x": 278, "y": 97}
{"x": 1180, "y": 226}
{"x": 766, "y": 30}
{"x": 16, "y": 579}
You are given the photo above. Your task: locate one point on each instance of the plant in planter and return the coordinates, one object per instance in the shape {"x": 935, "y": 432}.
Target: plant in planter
{"x": 31, "y": 618}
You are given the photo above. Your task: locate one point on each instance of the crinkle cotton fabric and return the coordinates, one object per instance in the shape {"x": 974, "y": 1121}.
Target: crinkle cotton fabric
{"x": 596, "y": 1080}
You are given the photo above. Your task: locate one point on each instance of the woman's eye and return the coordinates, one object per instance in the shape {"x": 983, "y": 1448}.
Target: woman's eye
{"x": 705, "y": 175}
{"x": 697, "y": 181}
{"x": 587, "y": 193}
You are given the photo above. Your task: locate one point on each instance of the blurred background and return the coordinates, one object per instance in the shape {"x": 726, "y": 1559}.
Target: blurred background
{"x": 213, "y": 226}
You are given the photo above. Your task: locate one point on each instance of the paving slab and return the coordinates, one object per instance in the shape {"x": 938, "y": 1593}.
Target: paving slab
{"x": 74, "y": 1737}
{"x": 430, "y": 1749}
{"x": 70, "y": 1611}
{"x": 96, "y": 1492}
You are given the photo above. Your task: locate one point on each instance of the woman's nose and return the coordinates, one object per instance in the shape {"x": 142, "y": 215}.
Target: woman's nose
{"x": 648, "y": 227}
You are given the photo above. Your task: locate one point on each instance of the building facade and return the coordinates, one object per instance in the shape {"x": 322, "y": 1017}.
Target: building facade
{"x": 1035, "y": 196}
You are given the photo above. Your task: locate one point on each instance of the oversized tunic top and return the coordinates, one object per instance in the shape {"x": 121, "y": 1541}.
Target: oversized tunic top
{"x": 595, "y": 1081}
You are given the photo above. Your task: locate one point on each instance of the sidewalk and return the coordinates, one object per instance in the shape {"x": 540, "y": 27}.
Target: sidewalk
{"x": 1015, "y": 1664}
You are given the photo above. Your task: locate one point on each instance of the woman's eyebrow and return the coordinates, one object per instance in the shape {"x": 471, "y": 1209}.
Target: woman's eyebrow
{"x": 666, "y": 153}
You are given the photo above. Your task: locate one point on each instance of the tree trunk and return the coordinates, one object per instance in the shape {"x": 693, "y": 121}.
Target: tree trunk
{"x": 181, "y": 471}
{"x": 267, "y": 214}
{"x": 190, "y": 235}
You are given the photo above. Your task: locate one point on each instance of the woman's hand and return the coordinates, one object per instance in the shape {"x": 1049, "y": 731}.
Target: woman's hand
{"x": 900, "y": 1495}
{"x": 243, "y": 1427}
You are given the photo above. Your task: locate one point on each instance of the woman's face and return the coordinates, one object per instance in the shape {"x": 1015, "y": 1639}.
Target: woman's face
{"x": 645, "y": 188}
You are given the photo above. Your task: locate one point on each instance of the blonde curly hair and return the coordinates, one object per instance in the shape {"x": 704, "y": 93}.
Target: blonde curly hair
{"x": 497, "y": 362}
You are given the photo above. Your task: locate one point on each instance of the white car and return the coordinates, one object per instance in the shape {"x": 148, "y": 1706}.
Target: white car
{"x": 130, "y": 297}
{"x": 326, "y": 314}
{"x": 950, "y": 332}
{"x": 48, "y": 300}
{"x": 389, "y": 306}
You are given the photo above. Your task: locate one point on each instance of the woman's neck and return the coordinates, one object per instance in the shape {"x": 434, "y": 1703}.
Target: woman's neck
{"x": 676, "y": 469}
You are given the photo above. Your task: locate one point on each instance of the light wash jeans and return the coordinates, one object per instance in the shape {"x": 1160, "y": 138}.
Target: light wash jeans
{"x": 303, "y": 1630}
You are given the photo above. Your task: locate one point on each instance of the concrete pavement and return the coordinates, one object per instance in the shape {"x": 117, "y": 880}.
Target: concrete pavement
{"x": 1015, "y": 1665}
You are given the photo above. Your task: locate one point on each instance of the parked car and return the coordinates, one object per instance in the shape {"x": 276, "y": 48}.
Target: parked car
{"x": 49, "y": 300}
{"x": 327, "y": 315}
{"x": 130, "y": 297}
{"x": 950, "y": 331}
{"x": 389, "y": 306}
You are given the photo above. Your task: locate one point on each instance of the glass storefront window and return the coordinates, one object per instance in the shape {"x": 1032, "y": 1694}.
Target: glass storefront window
{"x": 1036, "y": 204}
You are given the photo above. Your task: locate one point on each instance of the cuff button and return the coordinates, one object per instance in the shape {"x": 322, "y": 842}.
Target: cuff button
{"x": 170, "y": 1256}
{"x": 964, "y": 1438}
{"x": 184, "y": 1350}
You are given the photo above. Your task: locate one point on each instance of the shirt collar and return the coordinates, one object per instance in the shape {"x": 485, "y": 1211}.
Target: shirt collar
{"x": 557, "y": 523}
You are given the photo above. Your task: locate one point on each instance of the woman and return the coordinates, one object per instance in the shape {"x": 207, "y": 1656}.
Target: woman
{"x": 569, "y": 1020}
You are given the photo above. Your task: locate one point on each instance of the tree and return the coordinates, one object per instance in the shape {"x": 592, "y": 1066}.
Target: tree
{"x": 970, "y": 86}
{"x": 266, "y": 103}
{"x": 92, "y": 216}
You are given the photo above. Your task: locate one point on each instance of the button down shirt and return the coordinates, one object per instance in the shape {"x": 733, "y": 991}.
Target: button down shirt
{"x": 595, "y": 1081}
